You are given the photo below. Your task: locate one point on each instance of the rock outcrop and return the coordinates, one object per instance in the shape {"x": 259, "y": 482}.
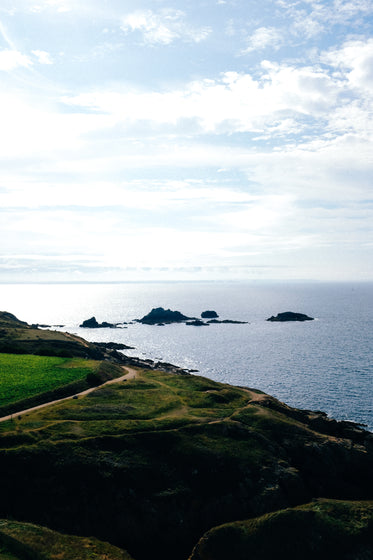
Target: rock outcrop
{"x": 209, "y": 315}
{"x": 159, "y": 315}
{"x": 92, "y": 323}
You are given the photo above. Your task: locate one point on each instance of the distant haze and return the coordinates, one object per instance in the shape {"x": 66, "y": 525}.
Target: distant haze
{"x": 169, "y": 140}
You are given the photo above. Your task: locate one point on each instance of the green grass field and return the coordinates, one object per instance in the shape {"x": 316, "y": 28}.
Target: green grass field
{"x": 23, "y": 376}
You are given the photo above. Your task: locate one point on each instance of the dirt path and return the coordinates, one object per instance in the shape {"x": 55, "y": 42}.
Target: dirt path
{"x": 131, "y": 374}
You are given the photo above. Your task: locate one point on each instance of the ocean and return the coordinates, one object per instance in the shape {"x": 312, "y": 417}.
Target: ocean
{"x": 325, "y": 364}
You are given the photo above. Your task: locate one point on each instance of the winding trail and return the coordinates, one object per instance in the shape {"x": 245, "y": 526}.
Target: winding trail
{"x": 131, "y": 374}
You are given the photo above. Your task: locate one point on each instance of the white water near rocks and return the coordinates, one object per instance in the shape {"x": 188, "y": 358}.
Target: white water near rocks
{"x": 324, "y": 364}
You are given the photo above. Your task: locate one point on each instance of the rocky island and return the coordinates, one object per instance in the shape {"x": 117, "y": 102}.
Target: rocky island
{"x": 173, "y": 467}
{"x": 290, "y": 316}
{"x": 159, "y": 315}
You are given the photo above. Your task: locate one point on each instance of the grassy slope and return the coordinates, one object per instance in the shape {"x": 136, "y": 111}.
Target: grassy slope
{"x": 22, "y": 541}
{"x": 323, "y": 529}
{"x": 23, "y": 376}
{"x": 34, "y": 368}
{"x": 151, "y": 464}
{"x": 27, "y": 381}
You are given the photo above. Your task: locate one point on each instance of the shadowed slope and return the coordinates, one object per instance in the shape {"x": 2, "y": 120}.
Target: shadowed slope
{"x": 25, "y": 540}
{"x": 323, "y": 529}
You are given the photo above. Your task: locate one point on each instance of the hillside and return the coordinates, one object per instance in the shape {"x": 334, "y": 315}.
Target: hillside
{"x": 17, "y": 337}
{"x": 323, "y": 529}
{"x": 152, "y": 463}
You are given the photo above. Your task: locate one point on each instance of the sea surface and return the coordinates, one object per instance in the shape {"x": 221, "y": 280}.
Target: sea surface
{"x": 326, "y": 364}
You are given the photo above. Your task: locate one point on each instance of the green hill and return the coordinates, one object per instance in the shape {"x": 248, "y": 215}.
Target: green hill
{"x": 152, "y": 463}
{"x": 17, "y": 337}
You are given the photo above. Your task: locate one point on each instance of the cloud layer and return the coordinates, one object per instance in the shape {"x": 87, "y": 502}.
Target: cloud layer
{"x": 226, "y": 141}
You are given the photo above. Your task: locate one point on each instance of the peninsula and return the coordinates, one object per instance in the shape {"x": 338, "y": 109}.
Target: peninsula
{"x": 167, "y": 465}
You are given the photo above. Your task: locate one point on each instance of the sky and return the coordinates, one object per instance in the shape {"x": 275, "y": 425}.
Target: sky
{"x": 184, "y": 140}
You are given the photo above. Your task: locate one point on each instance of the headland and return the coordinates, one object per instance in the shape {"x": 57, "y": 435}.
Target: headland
{"x": 171, "y": 465}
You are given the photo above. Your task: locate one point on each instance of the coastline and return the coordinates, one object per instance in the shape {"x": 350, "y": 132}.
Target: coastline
{"x": 156, "y": 462}
{"x": 323, "y": 365}
{"x": 317, "y": 418}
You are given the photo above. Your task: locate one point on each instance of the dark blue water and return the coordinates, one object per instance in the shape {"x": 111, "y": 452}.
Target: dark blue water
{"x": 324, "y": 364}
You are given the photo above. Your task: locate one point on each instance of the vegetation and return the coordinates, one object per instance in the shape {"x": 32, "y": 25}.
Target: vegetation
{"x": 28, "y": 381}
{"x": 17, "y": 337}
{"x": 323, "y": 529}
{"x": 23, "y": 376}
{"x": 150, "y": 464}
{"x": 5, "y": 554}
{"x": 22, "y": 541}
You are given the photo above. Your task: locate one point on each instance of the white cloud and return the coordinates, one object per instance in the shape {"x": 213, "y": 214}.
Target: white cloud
{"x": 309, "y": 25}
{"x": 263, "y": 213}
{"x": 344, "y": 11}
{"x": 151, "y": 195}
{"x": 234, "y": 103}
{"x": 309, "y": 18}
{"x": 281, "y": 102}
{"x": 272, "y": 159}
{"x": 12, "y": 59}
{"x": 58, "y": 5}
{"x": 32, "y": 126}
{"x": 264, "y": 37}
{"x": 355, "y": 60}
{"x": 140, "y": 129}
{"x": 163, "y": 27}
{"x": 43, "y": 57}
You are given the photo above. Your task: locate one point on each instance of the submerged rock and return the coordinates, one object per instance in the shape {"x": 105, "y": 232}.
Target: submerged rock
{"x": 290, "y": 316}
{"x": 198, "y": 323}
{"x": 227, "y": 321}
